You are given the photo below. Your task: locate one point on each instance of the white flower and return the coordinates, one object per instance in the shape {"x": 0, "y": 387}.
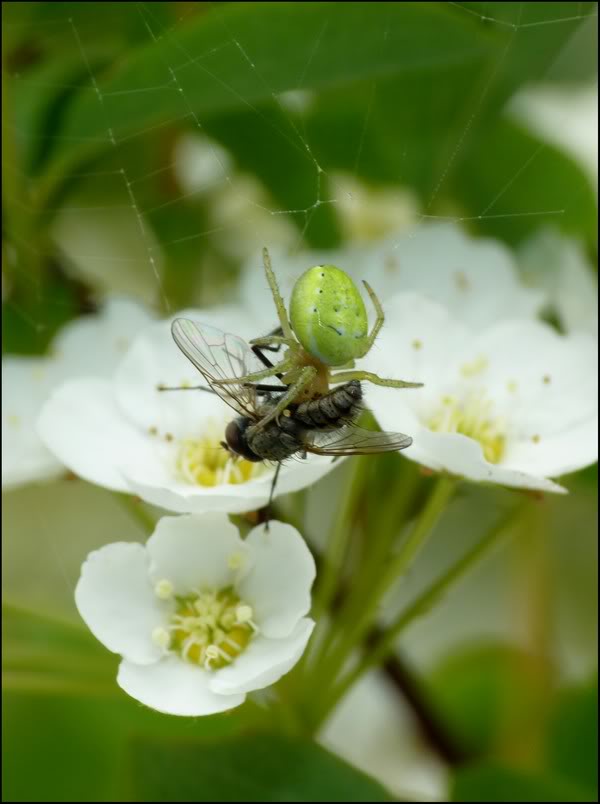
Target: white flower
{"x": 514, "y": 404}
{"x": 125, "y": 434}
{"x": 367, "y": 213}
{"x": 199, "y": 616}
{"x": 475, "y": 278}
{"x": 559, "y": 265}
{"x": 565, "y": 116}
{"x": 90, "y": 345}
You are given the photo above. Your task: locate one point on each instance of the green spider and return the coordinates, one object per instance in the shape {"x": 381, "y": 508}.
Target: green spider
{"x": 327, "y": 329}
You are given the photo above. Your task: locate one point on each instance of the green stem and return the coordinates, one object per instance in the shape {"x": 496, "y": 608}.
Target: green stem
{"x": 338, "y": 539}
{"x": 384, "y": 647}
{"x": 328, "y": 670}
{"x": 332, "y": 565}
{"x": 390, "y": 516}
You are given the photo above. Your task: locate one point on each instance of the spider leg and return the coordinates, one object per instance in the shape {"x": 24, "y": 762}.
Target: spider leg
{"x": 255, "y": 376}
{"x": 280, "y": 306}
{"x": 368, "y": 376}
{"x": 378, "y": 320}
{"x": 305, "y": 377}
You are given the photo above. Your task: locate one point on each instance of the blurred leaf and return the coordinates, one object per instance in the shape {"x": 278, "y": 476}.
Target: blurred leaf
{"x": 243, "y": 55}
{"x": 573, "y": 736}
{"x": 39, "y": 96}
{"x": 510, "y": 178}
{"x": 257, "y": 767}
{"x": 490, "y": 693}
{"x": 495, "y": 782}
{"x": 65, "y": 716}
{"x": 42, "y": 654}
{"x": 74, "y": 748}
{"x": 270, "y": 145}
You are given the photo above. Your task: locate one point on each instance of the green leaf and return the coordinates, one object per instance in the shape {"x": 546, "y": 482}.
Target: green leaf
{"x": 490, "y": 693}
{"x": 73, "y": 748}
{"x": 43, "y": 654}
{"x": 268, "y": 145}
{"x": 65, "y": 717}
{"x": 573, "y": 736}
{"x": 495, "y": 782}
{"x": 517, "y": 183}
{"x": 242, "y": 55}
{"x": 257, "y": 767}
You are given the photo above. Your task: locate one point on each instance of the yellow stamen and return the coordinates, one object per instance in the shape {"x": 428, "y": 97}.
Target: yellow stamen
{"x": 209, "y": 628}
{"x": 204, "y": 462}
{"x": 472, "y": 416}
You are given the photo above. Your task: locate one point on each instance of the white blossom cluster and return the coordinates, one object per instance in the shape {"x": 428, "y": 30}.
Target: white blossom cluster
{"x": 200, "y": 616}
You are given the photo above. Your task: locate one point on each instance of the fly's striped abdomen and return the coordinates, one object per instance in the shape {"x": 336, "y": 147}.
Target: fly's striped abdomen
{"x": 340, "y": 405}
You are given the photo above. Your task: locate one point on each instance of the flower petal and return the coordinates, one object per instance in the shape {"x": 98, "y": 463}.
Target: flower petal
{"x": 94, "y": 344}
{"x": 418, "y": 343}
{"x": 278, "y": 585}
{"x": 463, "y": 456}
{"x": 116, "y": 599}
{"x": 174, "y": 687}
{"x": 474, "y": 278}
{"x": 82, "y": 426}
{"x": 26, "y": 384}
{"x": 194, "y": 552}
{"x": 263, "y": 662}
{"x": 155, "y": 482}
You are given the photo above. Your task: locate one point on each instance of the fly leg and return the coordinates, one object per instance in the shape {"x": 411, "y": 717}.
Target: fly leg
{"x": 269, "y": 507}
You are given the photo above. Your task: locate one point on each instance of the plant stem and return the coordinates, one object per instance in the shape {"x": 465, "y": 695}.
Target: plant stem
{"x": 383, "y": 647}
{"x": 390, "y": 516}
{"x": 327, "y": 671}
{"x": 338, "y": 539}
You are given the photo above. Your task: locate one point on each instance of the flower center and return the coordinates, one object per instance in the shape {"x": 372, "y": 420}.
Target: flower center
{"x": 472, "y": 416}
{"x": 210, "y": 628}
{"x": 204, "y": 462}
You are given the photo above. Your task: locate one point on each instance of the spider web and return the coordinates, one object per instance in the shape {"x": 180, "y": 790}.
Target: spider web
{"x": 125, "y": 184}
{"x": 119, "y": 182}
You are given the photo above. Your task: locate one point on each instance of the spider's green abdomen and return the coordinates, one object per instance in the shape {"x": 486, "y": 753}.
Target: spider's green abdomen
{"x": 328, "y": 315}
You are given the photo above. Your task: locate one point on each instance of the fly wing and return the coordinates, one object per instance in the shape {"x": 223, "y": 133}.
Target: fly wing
{"x": 219, "y": 356}
{"x": 351, "y": 440}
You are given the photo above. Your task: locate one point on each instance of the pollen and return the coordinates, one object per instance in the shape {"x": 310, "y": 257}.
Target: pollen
{"x": 236, "y": 561}
{"x": 472, "y": 416}
{"x": 203, "y": 462}
{"x": 164, "y": 589}
{"x": 209, "y": 628}
{"x": 475, "y": 367}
